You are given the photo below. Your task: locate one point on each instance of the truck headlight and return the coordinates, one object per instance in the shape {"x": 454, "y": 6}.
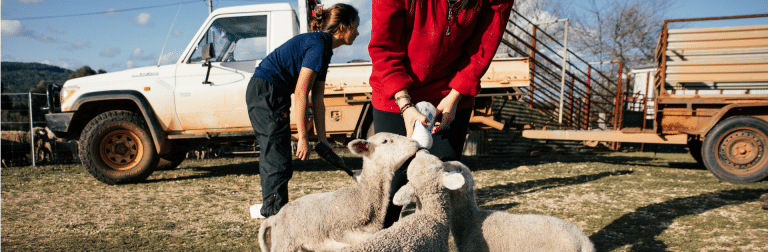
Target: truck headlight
{"x": 67, "y": 92}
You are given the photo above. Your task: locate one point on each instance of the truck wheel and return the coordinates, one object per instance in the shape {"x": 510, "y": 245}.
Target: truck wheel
{"x": 116, "y": 148}
{"x": 171, "y": 160}
{"x": 735, "y": 150}
{"x": 694, "y": 147}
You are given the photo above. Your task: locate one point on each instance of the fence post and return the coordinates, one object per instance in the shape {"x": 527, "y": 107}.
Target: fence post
{"x": 31, "y": 130}
{"x": 533, "y": 63}
{"x": 589, "y": 89}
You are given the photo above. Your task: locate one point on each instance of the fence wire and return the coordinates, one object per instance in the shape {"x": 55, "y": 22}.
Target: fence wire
{"x": 25, "y": 140}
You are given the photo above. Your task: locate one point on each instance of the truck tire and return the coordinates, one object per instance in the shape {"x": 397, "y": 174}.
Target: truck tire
{"x": 735, "y": 150}
{"x": 171, "y": 160}
{"x": 116, "y": 148}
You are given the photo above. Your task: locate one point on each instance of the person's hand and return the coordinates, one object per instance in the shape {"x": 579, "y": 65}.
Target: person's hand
{"x": 447, "y": 108}
{"x": 410, "y": 116}
{"x": 302, "y": 149}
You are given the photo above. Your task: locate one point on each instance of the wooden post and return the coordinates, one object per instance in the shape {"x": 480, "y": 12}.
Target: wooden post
{"x": 533, "y": 63}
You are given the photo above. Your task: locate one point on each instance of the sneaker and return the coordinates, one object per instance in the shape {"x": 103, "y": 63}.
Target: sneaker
{"x": 256, "y": 211}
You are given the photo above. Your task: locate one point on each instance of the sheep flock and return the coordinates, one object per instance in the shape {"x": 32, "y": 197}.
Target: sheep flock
{"x": 351, "y": 218}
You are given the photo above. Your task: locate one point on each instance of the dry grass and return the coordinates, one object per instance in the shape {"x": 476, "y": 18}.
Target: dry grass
{"x": 623, "y": 201}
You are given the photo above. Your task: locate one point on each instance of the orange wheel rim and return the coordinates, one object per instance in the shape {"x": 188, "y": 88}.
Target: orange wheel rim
{"x": 121, "y": 150}
{"x": 742, "y": 151}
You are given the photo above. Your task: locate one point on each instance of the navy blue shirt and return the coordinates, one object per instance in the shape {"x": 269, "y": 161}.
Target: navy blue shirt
{"x": 282, "y": 66}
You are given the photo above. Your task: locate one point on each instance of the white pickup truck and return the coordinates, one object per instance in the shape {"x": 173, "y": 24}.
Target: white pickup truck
{"x": 133, "y": 122}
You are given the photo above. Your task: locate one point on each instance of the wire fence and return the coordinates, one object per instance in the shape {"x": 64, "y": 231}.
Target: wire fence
{"x": 25, "y": 139}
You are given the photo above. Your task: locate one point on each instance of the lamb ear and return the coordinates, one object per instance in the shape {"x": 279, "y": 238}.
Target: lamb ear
{"x": 404, "y": 196}
{"x": 453, "y": 180}
{"x": 359, "y": 147}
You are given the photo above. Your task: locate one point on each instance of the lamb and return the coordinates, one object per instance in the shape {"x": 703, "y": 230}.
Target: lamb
{"x": 333, "y": 220}
{"x": 485, "y": 230}
{"x": 427, "y": 229}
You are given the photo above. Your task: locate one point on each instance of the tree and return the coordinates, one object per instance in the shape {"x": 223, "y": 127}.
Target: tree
{"x": 41, "y": 87}
{"x": 625, "y": 31}
{"x": 82, "y": 72}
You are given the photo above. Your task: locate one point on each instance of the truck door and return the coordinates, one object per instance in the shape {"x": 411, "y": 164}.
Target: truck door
{"x": 239, "y": 43}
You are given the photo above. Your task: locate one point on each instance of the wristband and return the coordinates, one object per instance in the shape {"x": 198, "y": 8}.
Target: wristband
{"x": 405, "y": 107}
{"x": 405, "y": 96}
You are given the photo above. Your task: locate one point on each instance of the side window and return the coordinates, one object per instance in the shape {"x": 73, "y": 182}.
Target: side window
{"x": 235, "y": 39}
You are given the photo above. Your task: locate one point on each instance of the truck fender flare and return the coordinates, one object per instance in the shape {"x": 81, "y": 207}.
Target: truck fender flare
{"x": 158, "y": 135}
{"x": 719, "y": 116}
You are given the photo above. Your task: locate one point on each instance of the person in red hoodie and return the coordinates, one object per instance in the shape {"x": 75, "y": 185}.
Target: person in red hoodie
{"x": 435, "y": 51}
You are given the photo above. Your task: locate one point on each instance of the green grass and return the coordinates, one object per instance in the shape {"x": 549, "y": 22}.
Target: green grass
{"x": 623, "y": 201}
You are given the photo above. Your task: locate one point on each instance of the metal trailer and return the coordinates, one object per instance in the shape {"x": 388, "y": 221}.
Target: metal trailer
{"x": 711, "y": 88}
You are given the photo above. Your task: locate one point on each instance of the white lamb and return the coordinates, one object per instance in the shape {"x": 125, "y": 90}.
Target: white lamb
{"x": 485, "y": 230}
{"x": 332, "y": 220}
{"x": 426, "y": 229}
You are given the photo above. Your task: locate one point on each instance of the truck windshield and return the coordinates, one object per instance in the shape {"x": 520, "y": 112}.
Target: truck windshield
{"x": 235, "y": 39}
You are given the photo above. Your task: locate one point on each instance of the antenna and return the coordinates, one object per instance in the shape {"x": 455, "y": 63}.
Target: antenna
{"x": 210, "y": 7}
{"x": 159, "y": 58}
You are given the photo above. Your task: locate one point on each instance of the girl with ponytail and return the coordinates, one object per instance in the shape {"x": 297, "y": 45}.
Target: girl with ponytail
{"x": 298, "y": 66}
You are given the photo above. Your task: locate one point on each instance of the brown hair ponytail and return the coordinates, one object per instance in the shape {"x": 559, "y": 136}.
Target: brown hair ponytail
{"x": 331, "y": 19}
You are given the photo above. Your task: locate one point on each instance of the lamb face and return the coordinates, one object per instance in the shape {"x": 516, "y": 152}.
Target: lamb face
{"x": 384, "y": 150}
{"x": 427, "y": 176}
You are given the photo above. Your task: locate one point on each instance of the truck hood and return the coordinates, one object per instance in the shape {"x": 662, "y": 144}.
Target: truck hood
{"x": 135, "y": 76}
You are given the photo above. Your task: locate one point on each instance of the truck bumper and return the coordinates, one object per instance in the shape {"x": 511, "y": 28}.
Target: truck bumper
{"x": 59, "y": 122}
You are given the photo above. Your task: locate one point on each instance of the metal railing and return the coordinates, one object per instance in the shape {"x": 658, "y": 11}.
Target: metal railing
{"x": 574, "y": 94}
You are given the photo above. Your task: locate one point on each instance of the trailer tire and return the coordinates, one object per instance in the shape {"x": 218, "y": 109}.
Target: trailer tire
{"x": 735, "y": 150}
{"x": 694, "y": 147}
{"x": 116, "y": 148}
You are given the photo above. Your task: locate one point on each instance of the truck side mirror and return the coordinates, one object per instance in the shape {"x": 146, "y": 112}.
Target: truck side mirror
{"x": 208, "y": 52}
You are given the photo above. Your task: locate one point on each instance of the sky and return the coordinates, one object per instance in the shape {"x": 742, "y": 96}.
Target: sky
{"x": 124, "y": 34}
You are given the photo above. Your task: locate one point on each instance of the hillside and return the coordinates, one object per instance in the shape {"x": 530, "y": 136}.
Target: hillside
{"x": 19, "y": 77}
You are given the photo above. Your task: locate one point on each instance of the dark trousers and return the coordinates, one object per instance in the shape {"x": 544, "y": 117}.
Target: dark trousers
{"x": 269, "y": 111}
{"x": 448, "y": 145}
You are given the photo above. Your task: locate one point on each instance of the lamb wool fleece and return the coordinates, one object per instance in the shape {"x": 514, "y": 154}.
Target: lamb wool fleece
{"x": 427, "y": 229}
{"x": 476, "y": 230}
{"x": 333, "y": 220}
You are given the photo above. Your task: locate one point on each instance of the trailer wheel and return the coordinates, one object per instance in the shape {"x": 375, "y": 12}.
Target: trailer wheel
{"x": 694, "y": 147}
{"x": 735, "y": 150}
{"x": 116, "y": 147}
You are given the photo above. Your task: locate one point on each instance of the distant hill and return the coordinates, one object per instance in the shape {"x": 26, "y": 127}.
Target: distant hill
{"x": 20, "y": 77}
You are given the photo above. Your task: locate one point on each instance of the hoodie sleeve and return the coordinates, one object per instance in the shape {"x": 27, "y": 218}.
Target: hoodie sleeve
{"x": 388, "y": 45}
{"x": 482, "y": 47}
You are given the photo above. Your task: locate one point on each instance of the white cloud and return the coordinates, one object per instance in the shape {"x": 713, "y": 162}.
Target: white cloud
{"x": 54, "y": 30}
{"x": 176, "y": 33}
{"x": 14, "y": 28}
{"x": 136, "y": 54}
{"x": 11, "y": 58}
{"x": 129, "y": 64}
{"x": 63, "y": 63}
{"x": 77, "y": 45}
{"x": 29, "y": 1}
{"x": 111, "y": 12}
{"x": 110, "y": 52}
{"x": 143, "y": 19}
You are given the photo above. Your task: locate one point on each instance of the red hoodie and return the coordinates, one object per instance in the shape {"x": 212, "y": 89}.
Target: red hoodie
{"x": 416, "y": 51}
